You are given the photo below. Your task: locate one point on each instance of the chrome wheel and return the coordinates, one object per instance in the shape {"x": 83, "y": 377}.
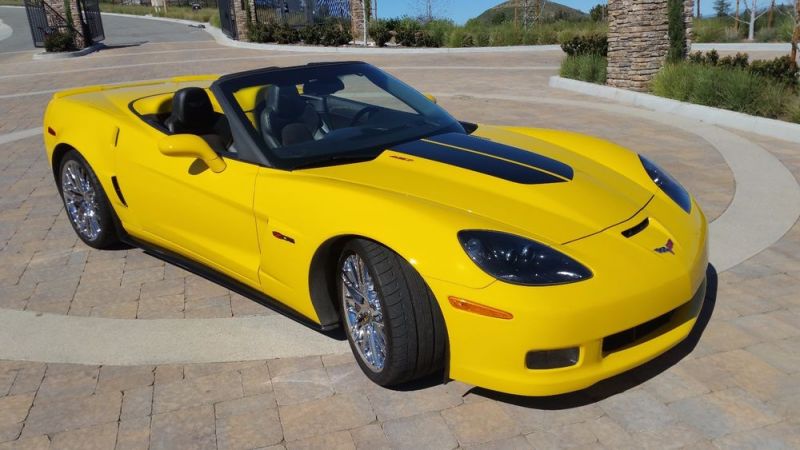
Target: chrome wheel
{"x": 363, "y": 312}
{"x": 80, "y": 200}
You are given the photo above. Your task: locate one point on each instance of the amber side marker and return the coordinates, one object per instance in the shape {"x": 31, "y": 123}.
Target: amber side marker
{"x": 51, "y": 131}
{"x": 477, "y": 308}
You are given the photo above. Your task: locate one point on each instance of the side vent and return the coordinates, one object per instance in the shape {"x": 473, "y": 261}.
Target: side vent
{"x": 118, "y": 191}
{"x": 633, "y": 231}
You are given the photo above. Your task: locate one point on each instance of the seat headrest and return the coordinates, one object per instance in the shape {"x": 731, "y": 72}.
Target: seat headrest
{"x": 285, "y": 101}
{"x": 192, "y": 108}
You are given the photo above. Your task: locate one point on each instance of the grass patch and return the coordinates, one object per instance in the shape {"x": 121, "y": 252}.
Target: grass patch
{"x": 732, "y": 89}
{"x": 590, "y": 67}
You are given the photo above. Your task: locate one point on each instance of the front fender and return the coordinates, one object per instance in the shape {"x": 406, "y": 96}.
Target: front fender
{"x": 312, "y": 211}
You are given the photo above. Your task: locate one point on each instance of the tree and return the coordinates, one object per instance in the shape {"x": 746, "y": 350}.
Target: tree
{"x": 736, "y": 17}
{"x": 599, "y": 13}
{"x": 721, "y": 7}
{"x": 676, "y": 31}
{"x": 698, "y": 9}
{"x": 753, "y": 15}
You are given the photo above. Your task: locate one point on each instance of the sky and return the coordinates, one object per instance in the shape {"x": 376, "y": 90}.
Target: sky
{"x": 462, "y": 10}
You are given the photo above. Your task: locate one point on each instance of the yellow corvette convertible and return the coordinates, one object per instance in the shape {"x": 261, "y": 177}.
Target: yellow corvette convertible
{"x": 523, "y": 260}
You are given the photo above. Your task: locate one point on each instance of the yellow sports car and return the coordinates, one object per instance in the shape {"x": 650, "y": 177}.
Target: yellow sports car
{"x": 523, "y": 260}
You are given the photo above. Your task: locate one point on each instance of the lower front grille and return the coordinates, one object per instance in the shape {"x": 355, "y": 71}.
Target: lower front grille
{"x": 632, "y": 335}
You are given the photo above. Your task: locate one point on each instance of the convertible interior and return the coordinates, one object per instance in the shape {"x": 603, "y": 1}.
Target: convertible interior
{"x": 282, "y": 115}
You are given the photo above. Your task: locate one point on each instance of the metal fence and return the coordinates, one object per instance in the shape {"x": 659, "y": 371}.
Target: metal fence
{"x": 300, "y": 12}
{"x": 44, "y": 20}
{"x": 176, "y": 3}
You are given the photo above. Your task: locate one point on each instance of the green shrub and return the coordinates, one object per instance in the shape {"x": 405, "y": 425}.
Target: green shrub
{"x": 718, "y": 29}
{"x": 593, "y": 44}
{"x": 586, "y": 67}
{"x": 262, "y": 32}
{"x": 794, "y": 112}
{"x": 379, "y": 32}
{"x": 784, "y": 31}
{"x": 214, "y": 20}
{"x": 407, "y": 30}
{"x": 467, "y": 41}
{"x": 780, "y": 69}
{"x": 712, "y": 57}
{"x": 286, "y": 34}
{"x": 767, "y": 35}
{"x": 547, "y": 36}
{"x": 59, "y": 41}
{"x": 720, "y": 87}
{"x": 331, "y": 33}
{"x": 740, "y": 61}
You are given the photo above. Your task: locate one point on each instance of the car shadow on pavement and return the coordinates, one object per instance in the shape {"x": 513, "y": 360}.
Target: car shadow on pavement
{"x": 106, "y": 47}
{"x": 624, "y": 381}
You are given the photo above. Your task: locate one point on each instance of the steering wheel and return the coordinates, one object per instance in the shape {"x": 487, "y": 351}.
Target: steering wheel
{"x": 363, "y": 112}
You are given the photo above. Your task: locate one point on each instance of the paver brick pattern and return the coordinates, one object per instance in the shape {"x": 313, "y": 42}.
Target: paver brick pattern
{"x": 738, "y": 388}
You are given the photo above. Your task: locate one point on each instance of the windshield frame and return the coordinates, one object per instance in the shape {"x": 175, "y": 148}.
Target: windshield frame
{"x": 247, "y": 138}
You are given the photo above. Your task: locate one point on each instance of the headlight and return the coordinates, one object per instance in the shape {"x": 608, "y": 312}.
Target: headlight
{"x": 518, "y": 260}
{"x": 669, "y": 185}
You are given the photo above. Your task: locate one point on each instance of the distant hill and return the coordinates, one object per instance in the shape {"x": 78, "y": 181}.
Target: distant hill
{"x": 504, "y": 12}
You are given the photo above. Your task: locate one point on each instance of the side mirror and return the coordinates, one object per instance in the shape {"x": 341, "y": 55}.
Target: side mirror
{"x": 431, "y": 98}
{"x": 192, "y": 146}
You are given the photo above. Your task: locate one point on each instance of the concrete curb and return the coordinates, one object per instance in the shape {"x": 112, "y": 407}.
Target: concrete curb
{"x": 783, "y": 47}
{"x": 730, "y": 119}
{"x": 5, "y": 31}
{"x": 46, "y": 56}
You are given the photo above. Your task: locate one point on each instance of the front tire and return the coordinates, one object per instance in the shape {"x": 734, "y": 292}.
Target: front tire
{"x": 392, "y": 320}
{"x": 87, "y": 206}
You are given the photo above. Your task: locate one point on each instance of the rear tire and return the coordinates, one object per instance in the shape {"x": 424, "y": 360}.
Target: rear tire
{"x": 87, "y": 205}
{"x": 391, "y": 318}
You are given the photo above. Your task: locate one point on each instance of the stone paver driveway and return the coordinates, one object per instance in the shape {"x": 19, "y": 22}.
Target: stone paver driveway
{"x": 738, "y": 386}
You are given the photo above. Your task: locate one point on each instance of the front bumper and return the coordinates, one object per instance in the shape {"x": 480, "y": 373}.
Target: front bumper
{"x": 498, "y": 362}
{"x": 639, "y": 304}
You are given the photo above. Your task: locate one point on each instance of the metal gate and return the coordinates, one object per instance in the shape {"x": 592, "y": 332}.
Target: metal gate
{"x": 91, "y": 22}
{"x": 37, "y": 19}
{"x": 44, "y": 20}
{"x": 227, "y": 17}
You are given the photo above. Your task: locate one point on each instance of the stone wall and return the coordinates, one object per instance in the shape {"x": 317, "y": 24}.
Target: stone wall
{"x": 357, "y": 20}
{"x": 638, "y": 40}
{"x": 60, "y": 18}
{"x": 240, "y": 16}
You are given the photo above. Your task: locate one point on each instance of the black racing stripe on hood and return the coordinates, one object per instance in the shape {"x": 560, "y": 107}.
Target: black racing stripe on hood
{"x": 476, "y": 162}
{"x": 507, "y": 152}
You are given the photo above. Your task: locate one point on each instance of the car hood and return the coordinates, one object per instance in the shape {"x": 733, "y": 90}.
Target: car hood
{"x": 544, "y": 190}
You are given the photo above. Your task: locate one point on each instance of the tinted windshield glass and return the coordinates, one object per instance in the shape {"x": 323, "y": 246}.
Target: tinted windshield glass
{"x": 322, "y": 114}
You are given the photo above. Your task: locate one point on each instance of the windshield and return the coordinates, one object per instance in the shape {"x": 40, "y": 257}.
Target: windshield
{"x": 320, "y": 114}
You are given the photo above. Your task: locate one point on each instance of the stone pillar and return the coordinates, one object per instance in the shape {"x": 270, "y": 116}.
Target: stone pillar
{"x": 240, "y": 16}
{"x": 357, "y": 20}
{"x": 58, "y": 17}
{"x": 638, "y": 40}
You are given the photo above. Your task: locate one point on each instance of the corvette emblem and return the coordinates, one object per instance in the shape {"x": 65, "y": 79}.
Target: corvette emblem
{"x": 667, "y": 248}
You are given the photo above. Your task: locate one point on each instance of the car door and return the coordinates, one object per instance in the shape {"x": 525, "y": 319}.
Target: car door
{"x": 180, "y": 204}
